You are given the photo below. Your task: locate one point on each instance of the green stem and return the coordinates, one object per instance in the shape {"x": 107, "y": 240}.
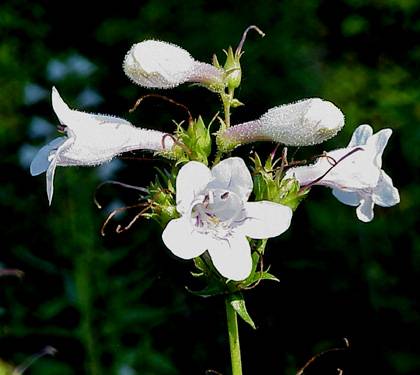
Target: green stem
{"x": 235, "y": 350}
{"x": 226, "y": 109}
{"x": 227, "y": 101}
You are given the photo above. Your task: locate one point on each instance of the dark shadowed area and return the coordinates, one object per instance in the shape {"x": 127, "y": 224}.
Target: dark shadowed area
{"x": 118, "y": 304}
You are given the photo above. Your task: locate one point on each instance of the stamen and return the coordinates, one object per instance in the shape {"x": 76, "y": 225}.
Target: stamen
{"x": 241, "y": 43}
{"x": 224, "y": 195}
{"x": 163, "y": 97}
{"x": 118, "y": 210}
{"x": 12, "y": 272}
{"x": 95, "y": 200}
{"x": 48, "y": 350}
{"x": 121, "y": 229}
{"x": 211, "y": 197}
{"x": 61, "y": 128}
{"x": 206, "y": 201}
{"x": 178, "y": 143}
{"x": 329, "y": 169}
{"x": 322, "y": 354}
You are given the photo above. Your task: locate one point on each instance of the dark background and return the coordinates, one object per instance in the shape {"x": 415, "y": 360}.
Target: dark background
{"x": 117, "y": 305}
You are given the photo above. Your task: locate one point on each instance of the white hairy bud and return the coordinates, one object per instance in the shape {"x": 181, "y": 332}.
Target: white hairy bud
{"x": 303, "y": 123}
{"x": 306, "y": 122}
{"x": 156, "y": 64}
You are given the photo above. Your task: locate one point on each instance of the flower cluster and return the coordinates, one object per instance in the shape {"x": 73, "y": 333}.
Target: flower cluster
{"x": 205, "y": 211}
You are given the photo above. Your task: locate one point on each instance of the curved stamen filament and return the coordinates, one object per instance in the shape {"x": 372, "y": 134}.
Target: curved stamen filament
{"x": 118, "y": 210}
{"x": 334, "y": 164}
{"x": 244, "y": 35}
{"x": 113, "y": 182}
{"x": 163, "y": 97}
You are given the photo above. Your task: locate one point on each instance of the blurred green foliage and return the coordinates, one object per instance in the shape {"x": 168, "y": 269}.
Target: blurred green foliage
{"x": 117, "y": 305}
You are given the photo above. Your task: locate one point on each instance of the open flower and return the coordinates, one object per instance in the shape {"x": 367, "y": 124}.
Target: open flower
{"x": 157, "y": 64}
{"x": 354, "y": 173}
{"x": 91, "y": 140}
{"x": 216, "y": 216}
{"x": 306, "y": 122}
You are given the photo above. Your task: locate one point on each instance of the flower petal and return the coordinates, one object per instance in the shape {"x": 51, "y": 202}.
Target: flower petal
{"x": 50, "y": 179}
{"x": 192, "y": 178}
{"x": 51, "y": 168}
{"x": 265, "y": 219}
{"x": 385, "y": 194}
{"x": 232, "y": 175}
{"x": 365, "y": 210}
{"x": 360, "y": 135}
{"x": 232, "y": 257}
{"x": 61, "y": 109}
{"x": 376, "y": 145}
{"x": 350, "y": 198}
{"x": 75, "y": 119}
{"x": 40, "y": 162}
{"x": 180, "y": 237}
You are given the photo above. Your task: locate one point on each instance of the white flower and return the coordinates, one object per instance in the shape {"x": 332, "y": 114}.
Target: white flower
{"x": 91, "y": 140}
{"x": 216, "y": 216}
{"x": 306, "y": 122}
{"x": 157, "y": 64}
{"x": 354, "y": 173}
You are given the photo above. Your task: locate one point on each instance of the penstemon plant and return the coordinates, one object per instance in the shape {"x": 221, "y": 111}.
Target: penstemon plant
{"x": 217, "y": 209}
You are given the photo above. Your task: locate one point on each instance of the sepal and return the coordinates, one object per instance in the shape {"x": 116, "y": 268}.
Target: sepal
{"x": 270, "y": 184}
{"x": 233, "y": 69}
{"x": 195, "y": 142}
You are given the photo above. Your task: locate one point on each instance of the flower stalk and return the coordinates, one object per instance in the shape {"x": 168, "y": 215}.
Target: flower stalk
{"x": 235, "y": 349}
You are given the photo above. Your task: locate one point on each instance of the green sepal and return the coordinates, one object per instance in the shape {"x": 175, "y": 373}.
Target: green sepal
{"x": 195, "y": 142}
{"x": 233, "y": 69}
{"x": 161, "y": 198}
{"x": 264, "y": 275}
{"x": 215, "y": 61}
{"x": 269, "y": 184}
{"x": 206, "y": 272}
{"x": 235, "y": 103}
{"x": 291, "y": 194}
{"x": 237, "y": 301}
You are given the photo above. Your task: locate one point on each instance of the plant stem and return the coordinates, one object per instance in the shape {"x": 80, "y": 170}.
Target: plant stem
{"x": 235, "y": 350}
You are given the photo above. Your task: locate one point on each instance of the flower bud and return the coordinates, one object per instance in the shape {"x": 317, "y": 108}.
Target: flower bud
{"x": 306, "y": 122}
{"x": 156, "y": 64}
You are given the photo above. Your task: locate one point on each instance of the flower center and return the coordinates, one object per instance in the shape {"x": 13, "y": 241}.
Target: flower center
{"x": 217, "y": 212}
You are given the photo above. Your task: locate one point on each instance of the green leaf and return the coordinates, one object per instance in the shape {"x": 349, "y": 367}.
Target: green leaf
{"x": 237, "y": 301}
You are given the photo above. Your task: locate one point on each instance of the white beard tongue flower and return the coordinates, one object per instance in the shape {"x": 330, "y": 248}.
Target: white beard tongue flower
{"x": 91, "y": 140}
{"x": 156, "y": 64}
{"x": 354, "y": 173}
{"x": 306, "y": 122}
{"x": 215, "y": 216}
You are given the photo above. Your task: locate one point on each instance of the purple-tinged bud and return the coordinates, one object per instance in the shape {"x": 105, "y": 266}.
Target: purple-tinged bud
{"x": 156, "y": 64}
{"x": 306, "y": 122}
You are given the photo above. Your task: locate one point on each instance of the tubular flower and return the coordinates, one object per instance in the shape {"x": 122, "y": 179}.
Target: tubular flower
{"x": 91, "y": 140}
{"x": 157, "y": 64}
{"x": 306, "y": 122}
{"x": 216, "y": 216}
{"x": 354, "y": 173}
